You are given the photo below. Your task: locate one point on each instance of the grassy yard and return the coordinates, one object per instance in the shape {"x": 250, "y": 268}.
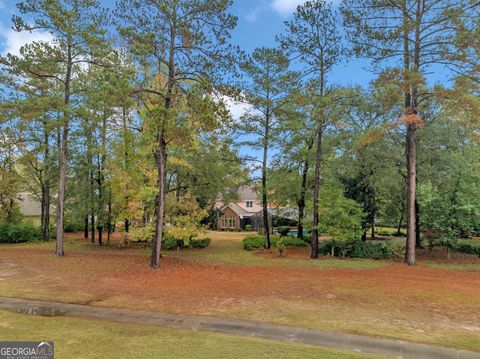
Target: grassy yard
{"x": 433, "y": 303}
{"x": 85, "y": 339}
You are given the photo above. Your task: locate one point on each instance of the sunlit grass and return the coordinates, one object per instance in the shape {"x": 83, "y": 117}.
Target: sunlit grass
{"x": 85, "y": 339}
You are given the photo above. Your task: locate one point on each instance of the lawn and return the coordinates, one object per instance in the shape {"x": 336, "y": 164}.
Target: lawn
{"x": 432, "y": 303}
{"x": 78, "y": 338}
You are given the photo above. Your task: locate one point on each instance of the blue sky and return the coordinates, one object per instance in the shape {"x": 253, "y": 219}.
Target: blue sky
{"x": 259, "y": 21}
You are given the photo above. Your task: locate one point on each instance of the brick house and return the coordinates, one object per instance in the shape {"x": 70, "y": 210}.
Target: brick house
{"x": 236, "y": 215}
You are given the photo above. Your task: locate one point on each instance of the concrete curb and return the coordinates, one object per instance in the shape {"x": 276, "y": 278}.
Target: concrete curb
{"x": 349, "y": 342}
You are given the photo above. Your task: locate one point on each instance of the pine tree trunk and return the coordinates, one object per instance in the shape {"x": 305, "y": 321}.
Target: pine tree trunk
{"x": 63, "y": 156}
{"x": 411, "y": 194}
{"x": 46, "y": 211}
{"x": 303, "y": 191}
{"x": 161, "y": 159}
{"x": 316, "y": 192}
{"x": 85, "y": 228}
{"x": 418, "y": 240}
{"x": 61, "y": 191}
{"x": 266, "y": 226}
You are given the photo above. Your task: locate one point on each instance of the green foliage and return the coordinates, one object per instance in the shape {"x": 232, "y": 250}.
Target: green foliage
{"x": 142, "y": 234}
{"x": 72, "y": 225}
{"x": 253, "y": 242}
{"x": 468, "y": 246}
{"x": 17, "y": 233}
{"x": 339, "y": 216}
{"x": 356, "y": 249}
{"x": 283, "y": 230}
{"x": 248, "y": 227}
{"x": 170, "y": 244}
{"x": 200, "y": 243}
{"x": 291, "y": 242}
{"x": 449, "y": 203}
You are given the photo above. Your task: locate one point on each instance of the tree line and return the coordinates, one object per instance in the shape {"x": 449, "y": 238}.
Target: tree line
{"x": 123, "y": 116}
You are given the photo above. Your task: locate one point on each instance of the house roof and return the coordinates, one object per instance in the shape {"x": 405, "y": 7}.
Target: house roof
{"x": 247, "y": 193}
{"x": 237, "y": 209}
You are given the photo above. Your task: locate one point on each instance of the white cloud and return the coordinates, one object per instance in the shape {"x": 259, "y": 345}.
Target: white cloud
{"x": 285, "y": 7}
{"x": 237, "y": 109}
{"x": 11, "y": 41}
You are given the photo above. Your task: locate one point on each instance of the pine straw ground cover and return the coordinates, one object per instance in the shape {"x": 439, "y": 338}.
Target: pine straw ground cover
{"x": 386, "y": 299}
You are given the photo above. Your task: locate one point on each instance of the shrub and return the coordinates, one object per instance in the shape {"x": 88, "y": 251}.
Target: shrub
{"x": 467, "y": 246}
{"x": 361, "y": 249}
{"x": 283, "y": 231}
{"x": 142, "y": 234}
{"x": 169, "y": 244}
{"x": 72, "y": 227}
{"x": 200, "y": 243}
{"x": 291, "y": 242}
{"x": 248, "y": 227}
{"x": 356, "y": 249}
{"x": 17, "y": 233}
{"x": 253, "y": 242}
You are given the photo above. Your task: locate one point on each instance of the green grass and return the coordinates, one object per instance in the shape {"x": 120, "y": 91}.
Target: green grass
{"x": 453, "y": 266}
{"x": 231, "y": 252}
{"x": 85, "y": 339}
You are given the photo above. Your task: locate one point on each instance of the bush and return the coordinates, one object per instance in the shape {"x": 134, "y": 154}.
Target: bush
{"x": 142, "y": 234}
{"x": 467, "y": 246}
{"x": 253, "y": 242}
{"x": 72, "y": 227}
{"x": 283, "y": 231}
{"x": 291, "y": 242}
{"x": 17, "y": 233}
{"x": 170, "y": 244}
{"x": 200, "y": 243}
{"x": 248, "y": 227}
{"x": 356, "y": 249}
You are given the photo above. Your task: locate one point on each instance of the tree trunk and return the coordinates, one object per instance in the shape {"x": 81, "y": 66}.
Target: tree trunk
{"x": 109, "y": 218}
{"x": 46, "y": 185}
{"x": 303, "y": 191}
{"x": 61, "y": 190}
{"x": 418, "y": 240}
{"x": 63, "y": 156}
{"x": 125, "y": 235}
{"x": 46, "y": 211}
{"x": 100, "y": 233}
{"x": 161, "y": 159}
{"x": 316, "y": 192}
{"x": 411, "y": 194}
{"x": 399, "y": 228}
{"x": 364, "y": 235}
{"x": 266, "y": 226}
{"x": 85, "y": 228}
{"x": 373, "y": 230}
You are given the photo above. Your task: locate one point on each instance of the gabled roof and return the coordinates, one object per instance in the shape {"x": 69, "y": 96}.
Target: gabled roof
{"x": 247, "y": 193}
{"x": 237, "y": 209}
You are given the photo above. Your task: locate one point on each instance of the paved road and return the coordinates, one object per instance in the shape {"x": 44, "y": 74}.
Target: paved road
{"x": 356, "y": 343}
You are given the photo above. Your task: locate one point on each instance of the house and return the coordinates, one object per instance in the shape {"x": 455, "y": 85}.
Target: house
{"x": 236, "y": 215}
{"x": 247, "y": 210}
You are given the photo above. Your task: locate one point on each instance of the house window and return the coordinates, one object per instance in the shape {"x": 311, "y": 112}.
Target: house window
{"x": 229, "y": 222}
{"x": 249, "y": 204}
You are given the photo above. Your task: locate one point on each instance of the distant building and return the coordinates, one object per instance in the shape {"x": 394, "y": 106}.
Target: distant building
{"x": 246, "y": 210}
{"x": 30, "y": 206}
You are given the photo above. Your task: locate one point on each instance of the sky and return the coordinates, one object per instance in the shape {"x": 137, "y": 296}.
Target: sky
{"x": 259, "y": 21}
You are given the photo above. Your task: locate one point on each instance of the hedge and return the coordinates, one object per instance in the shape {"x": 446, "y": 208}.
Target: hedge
{"x": 18, "y": 233}
{"x": 253, "y": 242}
{"x": 356, "y": 249}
